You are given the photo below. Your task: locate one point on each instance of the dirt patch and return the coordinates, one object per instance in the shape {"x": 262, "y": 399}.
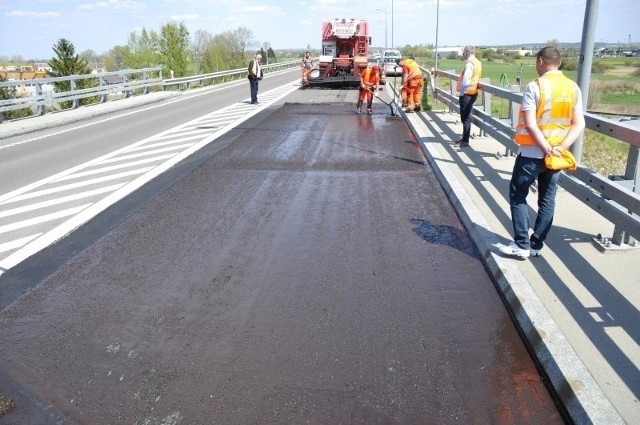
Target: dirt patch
{"x": 6, "y": 405}
{"x": 622, "y": 71}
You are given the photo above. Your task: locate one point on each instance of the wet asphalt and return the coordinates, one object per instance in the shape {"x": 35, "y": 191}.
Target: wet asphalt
{"x": 307, "y": 269}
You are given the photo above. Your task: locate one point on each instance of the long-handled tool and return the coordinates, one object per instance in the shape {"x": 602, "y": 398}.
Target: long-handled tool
{"x": 392, "y": 105}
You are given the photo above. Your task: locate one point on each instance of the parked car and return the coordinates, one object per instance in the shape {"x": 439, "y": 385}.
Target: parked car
{"x": 389, "y": 67}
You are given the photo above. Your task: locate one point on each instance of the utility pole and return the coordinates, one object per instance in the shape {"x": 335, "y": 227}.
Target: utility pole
{"x": 392, "y": 24}
{"x": 385, "y": 27}
{"x": 437, "y": 20}
{"x": 584, "y": 65}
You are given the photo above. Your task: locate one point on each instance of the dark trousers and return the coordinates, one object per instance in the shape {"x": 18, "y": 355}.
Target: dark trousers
{"x": 466, "y": 110}
{"x": 253, "y": 83}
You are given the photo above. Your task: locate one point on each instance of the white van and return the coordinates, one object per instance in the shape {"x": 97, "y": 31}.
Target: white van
{"x": 391, "y": 54}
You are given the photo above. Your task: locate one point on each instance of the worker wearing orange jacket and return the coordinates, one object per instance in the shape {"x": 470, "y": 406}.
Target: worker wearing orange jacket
{"x": 412, "y": 83}
{"x": 369, "y": 80}
{"x": 307, "y": 65}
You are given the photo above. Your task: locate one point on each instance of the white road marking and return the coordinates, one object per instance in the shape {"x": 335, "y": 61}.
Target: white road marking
{"x": 235, "y": 114}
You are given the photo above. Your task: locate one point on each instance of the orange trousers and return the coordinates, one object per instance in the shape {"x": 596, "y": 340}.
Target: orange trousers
{"x": 305, "y": 76}
{"x": 411, "y": 93}
{"x": 365, "y": 95}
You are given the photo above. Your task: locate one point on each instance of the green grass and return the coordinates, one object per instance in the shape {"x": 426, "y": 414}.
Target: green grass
{"x": 614, "y": 88}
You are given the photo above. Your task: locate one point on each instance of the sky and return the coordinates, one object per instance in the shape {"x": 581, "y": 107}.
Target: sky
{"x": 30, "y": 29}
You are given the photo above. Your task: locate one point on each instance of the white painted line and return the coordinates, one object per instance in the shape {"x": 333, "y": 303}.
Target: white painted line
{"x": 11, "y": 245}
{"x": 58, "y": 201}
{"x": 147, "y": 153}
{"x": 115, "y": 167}
{"x": 77, "y": 185}
{"x": 42, "y": 219}
{"x": 87, "y": 214}
{"x": 167, "y": 142}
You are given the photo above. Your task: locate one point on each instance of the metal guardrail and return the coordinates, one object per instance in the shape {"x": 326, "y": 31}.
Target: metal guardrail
{"x": 222, "y": 76}
{"x": 39, "y": 94}
{"x": 617, "y": 201}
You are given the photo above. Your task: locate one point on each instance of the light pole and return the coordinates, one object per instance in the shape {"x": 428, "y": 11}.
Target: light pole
{"x": 437, "y": 20}
{"x": 385, "y": 27}
{"x": 392, "y": 24}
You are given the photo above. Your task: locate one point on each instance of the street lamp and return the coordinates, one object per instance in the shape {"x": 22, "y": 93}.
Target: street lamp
{"x": 385, "y": 27}
{"x": 392, "y": 24}
{"x": 437, "y": 19}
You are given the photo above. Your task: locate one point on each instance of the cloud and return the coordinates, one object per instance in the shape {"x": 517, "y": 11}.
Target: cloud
{"x": 185, "y": 17}
{"x": 36, "y": 15}
{"x": 113, "y": 5}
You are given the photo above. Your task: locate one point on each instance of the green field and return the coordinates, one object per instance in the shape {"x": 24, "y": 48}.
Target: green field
{"x": 614, "y": 89}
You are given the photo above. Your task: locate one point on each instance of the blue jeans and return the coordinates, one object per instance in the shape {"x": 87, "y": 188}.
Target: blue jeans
{"x": 525, "y": 172}
{"x": 466, "y": 112}
{"x": 253, "y": 85}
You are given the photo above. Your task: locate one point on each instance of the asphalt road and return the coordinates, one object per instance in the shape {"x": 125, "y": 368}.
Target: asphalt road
{"x": 306, "y": 269}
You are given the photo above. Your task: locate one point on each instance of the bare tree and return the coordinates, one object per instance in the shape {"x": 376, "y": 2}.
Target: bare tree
{"x": 116, "y": 58}
{"x": 201, "y": 41}
{"x": 244, "y": 41}
{"x": 92, "y": 59}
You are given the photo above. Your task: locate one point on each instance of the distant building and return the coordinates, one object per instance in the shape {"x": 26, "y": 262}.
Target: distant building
{"x": 518, "y": 52}
{"x": 448, "y": 51}
{"x": 42, "y": 66}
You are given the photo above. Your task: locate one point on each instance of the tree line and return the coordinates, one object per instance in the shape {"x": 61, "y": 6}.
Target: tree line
{"x": 171, "y": 48}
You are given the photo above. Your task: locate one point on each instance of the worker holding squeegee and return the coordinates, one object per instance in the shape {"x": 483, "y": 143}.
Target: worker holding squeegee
{"x": 369, "y": 80}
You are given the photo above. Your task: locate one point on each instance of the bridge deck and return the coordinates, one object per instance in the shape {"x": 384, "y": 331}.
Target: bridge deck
{"x": 346, "y": 245}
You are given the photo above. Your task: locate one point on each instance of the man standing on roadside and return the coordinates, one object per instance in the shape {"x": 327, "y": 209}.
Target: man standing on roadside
{"x": 255, "y": 75}
{"x": 467, "y": 89}
{"x": 551, "y": 120}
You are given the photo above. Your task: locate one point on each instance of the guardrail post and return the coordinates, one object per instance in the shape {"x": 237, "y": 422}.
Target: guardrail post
{"x": 145, "y": 76}
{"x": 452, "y": 91}
{"x": 125, "y": 91}
{"x": 513, "y": 113}
{"x": 620, "y": 236}
{"x": 75, "y": 103}
{"x": 486, "y": 103}
{"x": 103, "y": 85}
{"x": 41, "y": 109}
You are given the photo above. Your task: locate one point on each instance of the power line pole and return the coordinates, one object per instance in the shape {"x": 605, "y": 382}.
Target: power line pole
{"x": 584, "y": 64}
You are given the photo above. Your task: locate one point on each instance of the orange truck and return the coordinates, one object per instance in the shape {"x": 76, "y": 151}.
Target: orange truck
{"x": 344, "y": 54}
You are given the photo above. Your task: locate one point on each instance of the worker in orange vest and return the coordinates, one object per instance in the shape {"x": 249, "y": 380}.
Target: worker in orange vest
{"x": 369, "y": 80}
{"x": 306, "y": 64}
{"x": 412, "y": 83}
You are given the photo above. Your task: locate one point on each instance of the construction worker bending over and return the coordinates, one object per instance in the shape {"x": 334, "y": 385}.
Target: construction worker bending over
{"x": 307, "y": 65}
{"x": 369, "y": 80}
{"x": 412, "y": 82}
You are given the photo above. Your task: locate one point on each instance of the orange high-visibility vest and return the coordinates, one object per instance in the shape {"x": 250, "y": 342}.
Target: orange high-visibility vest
{"x": 369, "y": 76}
{"x": 475, "y": 77}
{"x": 411, "y": 68}
{"x": 558, "y": 97}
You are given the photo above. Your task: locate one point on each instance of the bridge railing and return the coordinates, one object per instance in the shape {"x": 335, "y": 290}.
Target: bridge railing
{"x": 616, "y": 200}
{"x": 221, "y": 76}
{"x": 40, "y": 96}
